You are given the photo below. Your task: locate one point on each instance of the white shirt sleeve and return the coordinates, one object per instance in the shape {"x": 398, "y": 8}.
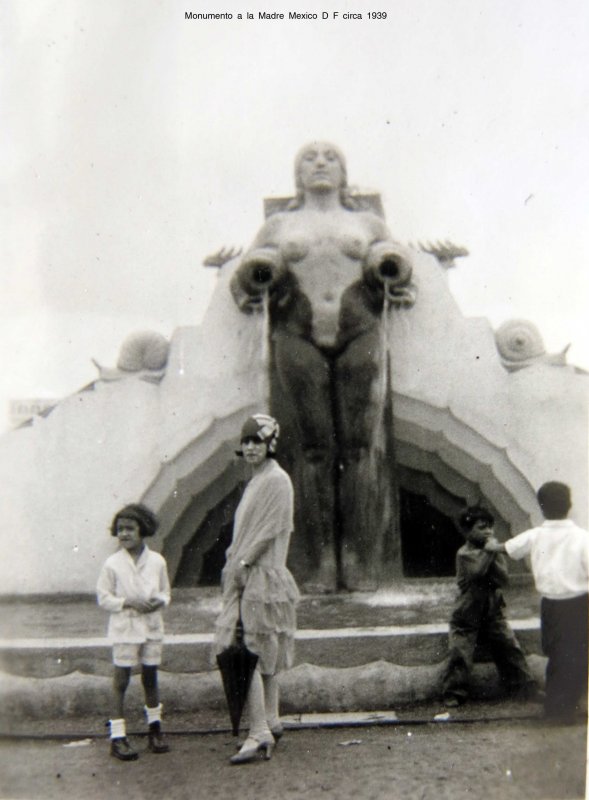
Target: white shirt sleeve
{"x": 164, "y": 592}
{"x": 520, "y": 546}
{"x": 105, "y": 590}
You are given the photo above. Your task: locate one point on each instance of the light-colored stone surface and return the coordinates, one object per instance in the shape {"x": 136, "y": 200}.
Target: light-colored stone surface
{"x": 304, "y": 689}
{"x": 460, "y": 415}
{"x": 191, "y": 653}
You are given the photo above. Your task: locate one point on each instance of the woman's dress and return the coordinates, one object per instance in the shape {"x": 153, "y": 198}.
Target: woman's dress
{"x": 261, "y": 536}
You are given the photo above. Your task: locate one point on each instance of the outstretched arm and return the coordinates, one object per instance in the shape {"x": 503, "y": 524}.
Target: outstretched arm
{"x": 493, "y": 546}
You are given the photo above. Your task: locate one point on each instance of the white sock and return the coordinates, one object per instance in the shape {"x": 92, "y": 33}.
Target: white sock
{"x": 117, "y": 729}
{"x": 153, "y": 714}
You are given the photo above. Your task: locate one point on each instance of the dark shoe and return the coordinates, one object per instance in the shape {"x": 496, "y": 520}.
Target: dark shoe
{"x": 121, "y": 749}
{"x": 451, "y": 701}
{"x": 535, "y": 696}
{"x": 157, "y": 743}
{"x": 550, "y": 718}
{"x": 528, "y": 694}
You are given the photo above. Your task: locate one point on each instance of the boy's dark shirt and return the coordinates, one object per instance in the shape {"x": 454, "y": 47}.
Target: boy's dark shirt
{"x": 480, "y": 577}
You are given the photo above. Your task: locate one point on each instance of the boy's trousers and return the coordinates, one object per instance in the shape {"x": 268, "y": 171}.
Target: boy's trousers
{"x": 479, "y": 619}
{"x": 564, "y": 641}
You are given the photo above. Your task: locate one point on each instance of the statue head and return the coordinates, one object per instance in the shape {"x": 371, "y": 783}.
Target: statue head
{"x": 322, "y": 156}
{"x": 321, "y": 166}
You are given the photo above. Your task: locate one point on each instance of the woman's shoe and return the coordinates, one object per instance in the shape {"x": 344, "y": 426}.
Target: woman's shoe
{"x": 253, "y": 748}
{"x": 277, "y": 732}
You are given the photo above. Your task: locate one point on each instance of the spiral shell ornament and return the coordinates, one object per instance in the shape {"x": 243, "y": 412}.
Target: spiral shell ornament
{"x": 519, "y": 343}
{"x": 143, "y": 350}
{"x": 143, "y": 355}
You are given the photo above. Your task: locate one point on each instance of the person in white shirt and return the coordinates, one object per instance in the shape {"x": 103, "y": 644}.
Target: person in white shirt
{"x": 134, "y": 586}
{"x": 559, "y": 555}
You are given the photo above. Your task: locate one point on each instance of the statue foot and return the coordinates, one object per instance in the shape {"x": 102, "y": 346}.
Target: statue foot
{"x": 312, "y": 587}
{"x": 357, "y": 577}
{"x": 324, "y": 580}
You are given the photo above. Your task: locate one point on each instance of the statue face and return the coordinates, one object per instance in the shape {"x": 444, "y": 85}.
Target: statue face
{"x": 320, "y": 168}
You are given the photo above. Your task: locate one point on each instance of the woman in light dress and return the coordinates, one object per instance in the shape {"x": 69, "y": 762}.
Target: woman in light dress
{"x": 257, "y": 584}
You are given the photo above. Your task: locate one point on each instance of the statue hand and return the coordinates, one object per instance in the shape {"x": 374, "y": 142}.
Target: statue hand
{"x": 246, "y": 302}
{"x": 401, "y": 296}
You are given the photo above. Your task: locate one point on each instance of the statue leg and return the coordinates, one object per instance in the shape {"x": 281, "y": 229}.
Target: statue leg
{"x": 304, "y": 396}
{"x": 367, "y": 494}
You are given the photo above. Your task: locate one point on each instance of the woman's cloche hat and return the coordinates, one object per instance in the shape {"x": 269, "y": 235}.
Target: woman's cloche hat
{"x": 262, "y": 427}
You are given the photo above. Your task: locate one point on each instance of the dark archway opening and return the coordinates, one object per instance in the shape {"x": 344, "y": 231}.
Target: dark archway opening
{"x": 429, "y": 539}
{"x": 203, "y": 557}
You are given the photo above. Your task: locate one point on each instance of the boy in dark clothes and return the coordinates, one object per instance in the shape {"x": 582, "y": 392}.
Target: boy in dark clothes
{"x": 478, "y": 615}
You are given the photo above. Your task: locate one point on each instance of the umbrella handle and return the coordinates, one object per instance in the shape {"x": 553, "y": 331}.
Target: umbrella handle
{"x": 239, "y": 629}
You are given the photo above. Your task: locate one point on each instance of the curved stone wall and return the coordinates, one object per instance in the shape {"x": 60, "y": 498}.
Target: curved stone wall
{"x": 460, "y": 416}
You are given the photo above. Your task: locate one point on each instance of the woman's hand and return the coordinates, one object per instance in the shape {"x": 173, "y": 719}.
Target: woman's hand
{"x": 241, "y": 575}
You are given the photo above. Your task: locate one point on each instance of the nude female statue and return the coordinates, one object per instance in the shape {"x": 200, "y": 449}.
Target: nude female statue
{"x": 329, "y": 268}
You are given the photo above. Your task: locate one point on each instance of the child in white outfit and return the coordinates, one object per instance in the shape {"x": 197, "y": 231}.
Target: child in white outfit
{"x": 133, "y": 586}
{"x": 559, "y": 553}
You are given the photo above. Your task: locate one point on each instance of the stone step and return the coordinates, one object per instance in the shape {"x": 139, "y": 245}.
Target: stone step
{"x": 345, "y": 647}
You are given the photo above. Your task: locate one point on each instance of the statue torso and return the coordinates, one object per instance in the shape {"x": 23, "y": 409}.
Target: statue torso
{"x": 324, "y": 251}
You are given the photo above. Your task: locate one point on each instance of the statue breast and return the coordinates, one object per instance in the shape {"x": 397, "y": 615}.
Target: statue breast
{"x": 325, "y": 256}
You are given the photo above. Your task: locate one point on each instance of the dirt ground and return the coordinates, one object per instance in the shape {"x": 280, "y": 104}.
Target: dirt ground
{"x": 515, "y": 759}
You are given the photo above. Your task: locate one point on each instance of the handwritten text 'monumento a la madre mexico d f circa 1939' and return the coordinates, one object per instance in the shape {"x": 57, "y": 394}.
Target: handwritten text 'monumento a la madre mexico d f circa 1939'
{"x": 296, "y": 15}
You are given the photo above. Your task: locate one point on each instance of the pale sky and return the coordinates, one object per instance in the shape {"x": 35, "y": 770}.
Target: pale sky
{"x": 135, "y": 143}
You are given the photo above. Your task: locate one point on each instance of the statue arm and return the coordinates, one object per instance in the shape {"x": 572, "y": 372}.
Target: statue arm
{"x": 260, "y": 271}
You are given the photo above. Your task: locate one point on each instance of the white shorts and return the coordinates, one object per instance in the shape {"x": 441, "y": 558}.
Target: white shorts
{"x": 129, "y": 655}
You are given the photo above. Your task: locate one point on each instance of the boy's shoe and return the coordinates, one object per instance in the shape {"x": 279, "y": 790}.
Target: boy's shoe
{"x": 528, "y": 694}
{"x": 156, "y": 741}
{"x": 534, "y": 695}
{"x": 561, "y": 718}
{"x": 121, "y": 749}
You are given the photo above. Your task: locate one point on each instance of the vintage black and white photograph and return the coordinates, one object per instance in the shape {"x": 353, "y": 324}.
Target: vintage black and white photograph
{"x": 294, "y": 406}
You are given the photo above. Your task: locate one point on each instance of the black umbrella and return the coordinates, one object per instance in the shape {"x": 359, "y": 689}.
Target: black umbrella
{"x": 236, "y": 664}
